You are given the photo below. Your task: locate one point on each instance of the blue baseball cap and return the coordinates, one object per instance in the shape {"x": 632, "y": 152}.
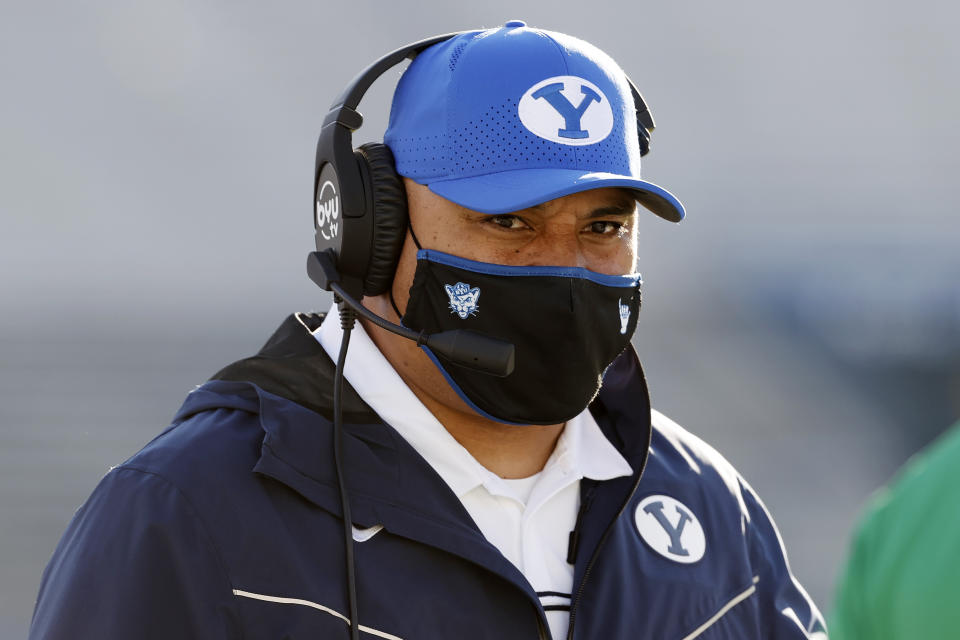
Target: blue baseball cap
{"x": 504, "y": 119}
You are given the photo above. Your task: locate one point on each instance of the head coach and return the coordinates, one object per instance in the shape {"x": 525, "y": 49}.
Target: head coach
{"x": 477, "y": 457}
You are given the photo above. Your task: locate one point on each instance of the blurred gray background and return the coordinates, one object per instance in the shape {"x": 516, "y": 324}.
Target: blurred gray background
{"x": 155, "y": 188}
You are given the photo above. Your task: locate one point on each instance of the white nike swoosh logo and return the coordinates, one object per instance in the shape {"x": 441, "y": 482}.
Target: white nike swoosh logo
{"x": 362, "y": 535}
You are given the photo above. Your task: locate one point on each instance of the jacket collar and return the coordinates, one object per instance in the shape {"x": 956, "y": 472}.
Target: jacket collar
{"x": 289, "y": 385}
{"x": 292, "y": 365}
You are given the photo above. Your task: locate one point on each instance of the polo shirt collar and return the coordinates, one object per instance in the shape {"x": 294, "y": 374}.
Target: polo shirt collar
{"x": 382, "y": 388}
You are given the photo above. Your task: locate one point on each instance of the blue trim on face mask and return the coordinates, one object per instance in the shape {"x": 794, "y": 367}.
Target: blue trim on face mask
{"x": 629, "y": 280}
{"x": 455, "y": 387}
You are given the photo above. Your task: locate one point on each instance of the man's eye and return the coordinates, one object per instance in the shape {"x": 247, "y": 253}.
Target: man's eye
{"x": 507, "y": 222}
{"x": 607, "y": 228}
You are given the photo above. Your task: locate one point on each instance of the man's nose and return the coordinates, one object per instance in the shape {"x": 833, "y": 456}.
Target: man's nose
{"x": 557, "y": 249}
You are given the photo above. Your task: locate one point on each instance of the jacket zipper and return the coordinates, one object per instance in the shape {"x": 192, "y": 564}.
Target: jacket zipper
{"x": 573, "y": 544}
{"x": 596, "y": 554}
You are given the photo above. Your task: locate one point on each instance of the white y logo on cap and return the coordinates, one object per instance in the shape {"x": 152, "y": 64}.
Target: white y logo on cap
{"x": 670, "y": 528}
{"x": 566, "y": 109}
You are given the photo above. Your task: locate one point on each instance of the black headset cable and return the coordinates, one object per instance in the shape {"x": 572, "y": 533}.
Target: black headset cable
{"x": 348, "y": 318}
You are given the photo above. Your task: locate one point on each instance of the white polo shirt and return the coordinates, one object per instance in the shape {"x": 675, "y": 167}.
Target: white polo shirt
{"x": 528, "y": 520}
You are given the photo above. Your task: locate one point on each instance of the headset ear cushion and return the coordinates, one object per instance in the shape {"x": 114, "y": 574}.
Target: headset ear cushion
{"x": 389, "y": 198}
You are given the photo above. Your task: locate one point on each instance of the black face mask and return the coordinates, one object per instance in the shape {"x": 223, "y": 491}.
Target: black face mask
{"x": 567, "y": 324}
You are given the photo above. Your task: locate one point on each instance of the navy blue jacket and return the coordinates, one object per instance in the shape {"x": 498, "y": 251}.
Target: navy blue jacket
{"x": 227, "y": 525}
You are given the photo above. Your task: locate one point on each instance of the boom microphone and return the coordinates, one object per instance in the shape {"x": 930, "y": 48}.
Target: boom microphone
{"x": 466, "y": 348}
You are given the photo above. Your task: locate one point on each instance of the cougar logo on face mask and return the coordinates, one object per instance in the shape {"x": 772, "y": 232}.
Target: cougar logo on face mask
{"x": 463, "y": 299}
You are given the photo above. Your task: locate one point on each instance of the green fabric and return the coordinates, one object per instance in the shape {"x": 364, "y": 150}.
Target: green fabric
{"x": 902, "y": 580}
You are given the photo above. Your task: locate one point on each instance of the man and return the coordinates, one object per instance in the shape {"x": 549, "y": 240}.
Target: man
{"x": 902, "y": 579}
{"x": 482, "y": 506}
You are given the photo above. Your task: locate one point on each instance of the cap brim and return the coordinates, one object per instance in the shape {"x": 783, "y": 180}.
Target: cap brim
{"x": 510, "y": 191}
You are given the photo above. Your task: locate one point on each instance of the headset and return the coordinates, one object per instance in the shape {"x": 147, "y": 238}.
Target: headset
{"x": 360, "y": 221}
{"x": 360, "y": 204}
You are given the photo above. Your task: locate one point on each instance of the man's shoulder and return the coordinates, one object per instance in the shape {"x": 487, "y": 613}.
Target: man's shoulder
{"x": 214, "y": 440}
{"x": 682, "y": 461}
{"x": 222, "y": 426}
{"x": 685, "y": 448}
{"x": 170, "y": 512}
